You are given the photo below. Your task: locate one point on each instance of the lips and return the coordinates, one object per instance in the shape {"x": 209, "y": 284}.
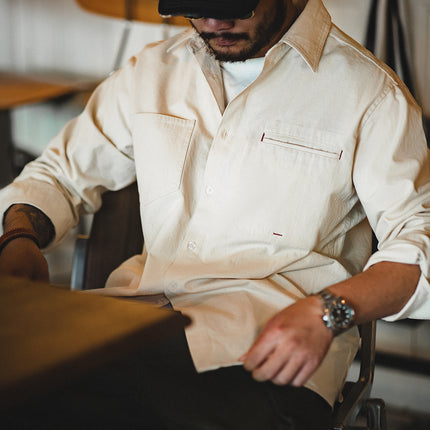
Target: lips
{"x": 222, "y": 41}
{"x": 227, "y": 39}
{"x": 225, "y": 35}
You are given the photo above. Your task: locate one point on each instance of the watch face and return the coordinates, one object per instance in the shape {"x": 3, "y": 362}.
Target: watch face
{"x": 341, "y": 314}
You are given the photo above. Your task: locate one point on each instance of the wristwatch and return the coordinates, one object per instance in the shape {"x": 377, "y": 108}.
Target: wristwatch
{"x": 338, "y": 314}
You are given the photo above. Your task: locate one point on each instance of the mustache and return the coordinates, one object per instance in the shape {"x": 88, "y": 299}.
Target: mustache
{"x": 225, "y": 35}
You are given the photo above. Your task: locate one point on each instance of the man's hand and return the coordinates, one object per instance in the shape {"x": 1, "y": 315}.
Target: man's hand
{"x": 21, "y": 257}
{"x": 295, "y": 341}
{"x": 291, "y": 346}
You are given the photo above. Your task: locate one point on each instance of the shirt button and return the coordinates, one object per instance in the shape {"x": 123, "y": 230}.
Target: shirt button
{"x": 224, "y": 134}
{"x": 209, "y": 190}
{"x": 192, "y": 245}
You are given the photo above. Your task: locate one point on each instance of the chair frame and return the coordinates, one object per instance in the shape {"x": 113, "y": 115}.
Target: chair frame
{"x": 356, "y": 395}
{"x": 115, "y": 235}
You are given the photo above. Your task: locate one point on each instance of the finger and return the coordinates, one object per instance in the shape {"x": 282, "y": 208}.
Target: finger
{"x": 305, "y": 373}
{"x": 259, "y": 353}
{"x": 270, "y": 367}
{"x": 289, "y": 371}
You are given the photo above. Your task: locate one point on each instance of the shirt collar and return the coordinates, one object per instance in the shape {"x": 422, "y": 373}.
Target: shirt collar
{"x": 190, "y": 37}
{"x": 307, "y": 35}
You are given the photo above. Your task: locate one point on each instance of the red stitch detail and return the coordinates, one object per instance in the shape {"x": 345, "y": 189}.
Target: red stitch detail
{"x": 277, "y": 234}
{"x": 262, "y": 137}
{"x": 340, "y": 155}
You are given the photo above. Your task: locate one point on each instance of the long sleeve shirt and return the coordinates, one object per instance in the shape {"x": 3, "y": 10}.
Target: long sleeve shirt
{"x": 249, "y": 207}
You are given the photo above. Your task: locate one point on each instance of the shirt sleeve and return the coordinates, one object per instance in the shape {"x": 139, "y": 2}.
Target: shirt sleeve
{"x": 93, "y": 153}
{"x": 392, "y": 179}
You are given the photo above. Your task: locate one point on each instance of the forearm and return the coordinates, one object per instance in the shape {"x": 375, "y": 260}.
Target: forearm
{"x": 295, "y": 341}
{"x": 382, "y": 290}
{"x": 31, "y": 218}
{"x": 26, "y": 230}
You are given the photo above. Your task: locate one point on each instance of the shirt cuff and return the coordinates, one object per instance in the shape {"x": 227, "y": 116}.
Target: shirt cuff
{"x": 418, "y": 306}
{"x": 47, "y": 198}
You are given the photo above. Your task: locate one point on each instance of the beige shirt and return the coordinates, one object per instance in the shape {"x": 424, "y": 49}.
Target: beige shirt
{"x": 247, "y": 208}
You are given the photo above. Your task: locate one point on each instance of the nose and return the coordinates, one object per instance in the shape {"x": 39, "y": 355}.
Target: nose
{"x": 214, "y": 25}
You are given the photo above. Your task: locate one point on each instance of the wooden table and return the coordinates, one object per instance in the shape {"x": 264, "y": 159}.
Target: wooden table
{"x": 49, "y": 335}
{"x": 18, "y": 90}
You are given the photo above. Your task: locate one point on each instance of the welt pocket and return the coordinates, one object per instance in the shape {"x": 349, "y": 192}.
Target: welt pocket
{"x": 300, "y": 144}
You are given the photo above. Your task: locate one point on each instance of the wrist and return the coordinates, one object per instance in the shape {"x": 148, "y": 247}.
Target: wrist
{"x": 31, "y": 218}
{"x": 337, "y": 314}
{"x": 18, "y": 233}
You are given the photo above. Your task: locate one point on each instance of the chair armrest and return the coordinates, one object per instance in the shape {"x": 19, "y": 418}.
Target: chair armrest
{"x": 356, "y": 393}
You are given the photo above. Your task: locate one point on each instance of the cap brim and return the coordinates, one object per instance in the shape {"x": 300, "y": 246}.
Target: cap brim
{"x": 220, "y": 9}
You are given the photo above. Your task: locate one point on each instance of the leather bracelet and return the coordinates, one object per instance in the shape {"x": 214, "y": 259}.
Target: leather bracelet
{"x": 17, "y": 233}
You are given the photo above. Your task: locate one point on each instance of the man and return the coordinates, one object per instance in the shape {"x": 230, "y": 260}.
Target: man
{"x": 263, "y": 142}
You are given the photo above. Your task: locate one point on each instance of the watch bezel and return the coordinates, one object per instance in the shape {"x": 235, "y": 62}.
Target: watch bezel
{"x": 331, "y": 304}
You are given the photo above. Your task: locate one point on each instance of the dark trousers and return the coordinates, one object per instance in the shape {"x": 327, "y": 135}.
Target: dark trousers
{"x": 159, "y": 389}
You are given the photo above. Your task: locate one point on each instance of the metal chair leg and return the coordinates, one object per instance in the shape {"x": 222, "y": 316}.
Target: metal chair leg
{"x": 376, "y": 414}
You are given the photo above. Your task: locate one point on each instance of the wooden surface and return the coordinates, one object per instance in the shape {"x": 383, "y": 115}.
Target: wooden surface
{"x": 20, "y": 89}
{"x": 49, "y": 335}
{"x": 140, "y": 10}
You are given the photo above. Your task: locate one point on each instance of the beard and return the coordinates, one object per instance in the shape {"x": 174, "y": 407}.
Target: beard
{"x": 270, "y": 25}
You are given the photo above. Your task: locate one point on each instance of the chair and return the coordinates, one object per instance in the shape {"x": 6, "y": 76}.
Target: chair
{"x": 356, "y": 400}
{"x": 115, "y": 235}
{"x": 116, "y": 228}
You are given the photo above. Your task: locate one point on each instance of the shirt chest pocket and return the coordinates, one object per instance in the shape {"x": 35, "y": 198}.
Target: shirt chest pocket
{"x": 305, "y": 143}
{"x": 161, "y": 145}
{"x": 307, "y": 166}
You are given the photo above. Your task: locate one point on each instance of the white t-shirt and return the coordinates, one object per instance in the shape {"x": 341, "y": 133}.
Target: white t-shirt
{"x": 238, "y": 75}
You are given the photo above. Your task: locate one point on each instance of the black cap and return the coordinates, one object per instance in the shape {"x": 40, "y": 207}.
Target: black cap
{"x": 218, "y": 9}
